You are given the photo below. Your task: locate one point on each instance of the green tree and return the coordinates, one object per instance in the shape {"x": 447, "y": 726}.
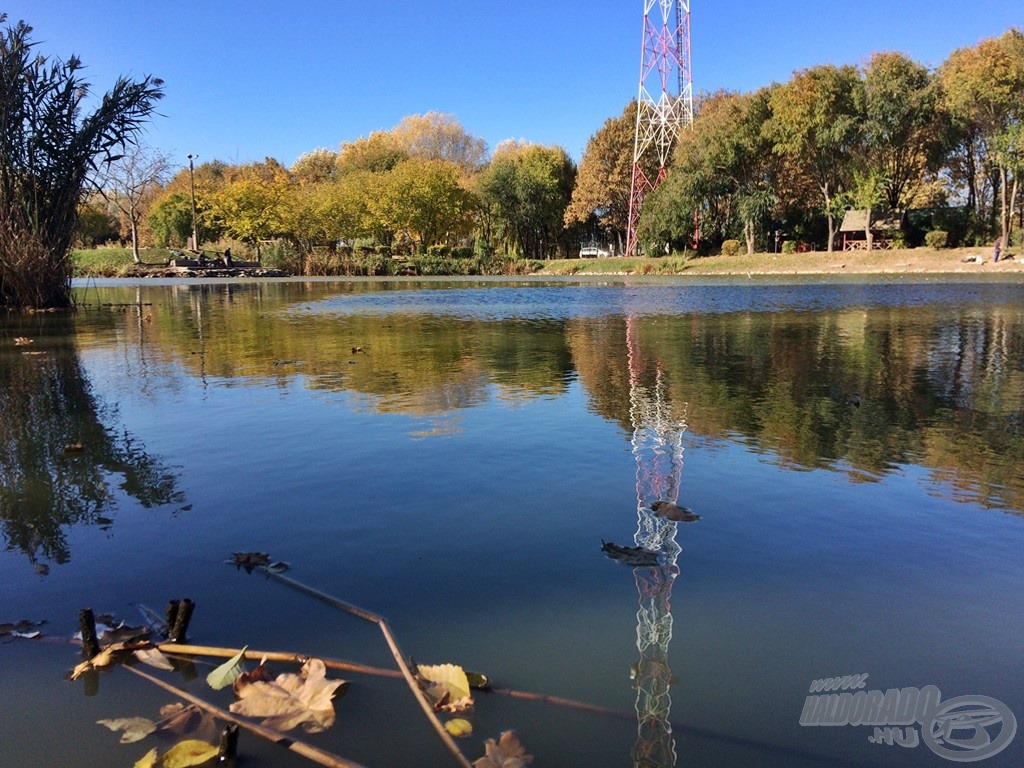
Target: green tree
{"x": 426, "y": 202}
{"x": 48, "y": 149}
{"x": 527, "y": 188}
{"x": 903, "y": 135}
{"x": 816, "y": 125}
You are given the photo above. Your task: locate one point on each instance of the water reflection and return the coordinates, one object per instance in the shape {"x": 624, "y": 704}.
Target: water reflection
{"x": 658, "y": 449}
{"x": 61, "y": 460}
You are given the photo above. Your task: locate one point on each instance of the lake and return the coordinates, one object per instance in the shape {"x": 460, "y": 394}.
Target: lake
{"x": 723, "y": 522}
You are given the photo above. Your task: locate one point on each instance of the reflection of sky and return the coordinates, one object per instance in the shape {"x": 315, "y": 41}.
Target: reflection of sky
{"x": 568, "y": 300}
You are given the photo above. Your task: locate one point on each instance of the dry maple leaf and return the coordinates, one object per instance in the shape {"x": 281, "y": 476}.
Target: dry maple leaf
{"x": 291, "y": 700}
{"x": 507, "y": 752}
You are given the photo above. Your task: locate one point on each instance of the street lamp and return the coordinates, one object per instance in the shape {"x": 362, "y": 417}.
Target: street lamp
{"x": 192, "y": 182}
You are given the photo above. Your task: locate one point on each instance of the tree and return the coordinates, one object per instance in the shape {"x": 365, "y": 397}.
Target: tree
{"x": 48, "y": 149}
{"x": 314, "y": 167}
{"x": 424, "y": 199}
{"x": 528, "y": 188}
{"x": 250, "y": 205}
{"x": 903, "y": 134}
{"x": 602, "y": 188}
{"x": 815, "y": 125}
{"x": 436, "y": 136}
{"x": 381, "y": 151}
{"x": 130, "y": 182}
{"x": 983, "y": 90}
{"x": 96, "y": 224}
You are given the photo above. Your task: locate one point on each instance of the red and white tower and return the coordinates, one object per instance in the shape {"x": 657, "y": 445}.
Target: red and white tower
{"x": 665, "y": 100}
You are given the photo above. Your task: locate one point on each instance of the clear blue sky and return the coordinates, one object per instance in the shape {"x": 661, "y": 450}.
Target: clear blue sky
{"x": 245, "y": 80}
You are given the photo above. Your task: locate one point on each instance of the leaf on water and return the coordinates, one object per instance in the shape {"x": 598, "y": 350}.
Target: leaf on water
{"x": 291, "y": 700}
{"x": 154, "y": 658}
{"x": 670, "y": 511}
{"x": 478, "y": 680}
{"x": 446, "y": 686}
{"x": 228, "y": 672}
{"x": 189, "y": 753}
{"x": 23, "y": 341}
{"x": 507, "y": 752}
{"x": 148, "y": 760}
{"x": 279, "y": 567}
{"x": 104, "y": 658}
{"x": 459, "y": 727}
{"x": 178, "y": 718}
{"x": 250, "y": 560}
{"x": 27, "y": 635}
{"x": 20, "y": 628}
{"x": 635, "y": 556}
{"x": 133, "y": 728}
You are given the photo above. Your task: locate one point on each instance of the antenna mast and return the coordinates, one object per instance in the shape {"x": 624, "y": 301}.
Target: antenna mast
{"x": 665, "y": 99}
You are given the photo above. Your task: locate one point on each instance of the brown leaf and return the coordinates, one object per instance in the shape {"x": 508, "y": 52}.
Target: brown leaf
{"x": 291, "y": 700}
{"x": 507, "y": 752}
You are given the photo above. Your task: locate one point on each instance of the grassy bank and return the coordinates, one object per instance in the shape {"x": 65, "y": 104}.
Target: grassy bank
{"x": 117, "y": 262}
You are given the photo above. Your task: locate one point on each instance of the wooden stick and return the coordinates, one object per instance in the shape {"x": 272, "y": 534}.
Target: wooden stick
{"x": 308, "y": 751}
{"x": 180, "y": 649}
{"x": 426, "y": 706}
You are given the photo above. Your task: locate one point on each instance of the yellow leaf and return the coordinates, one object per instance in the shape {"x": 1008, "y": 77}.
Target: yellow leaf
{"x": 188, "y": 753}
{"x": 154, "y": 658}
{"x": 447, "y": 688}
{"x": 148, "y": 760}
{"x": 458, "y": 727}
{"x": 133, "y": 728}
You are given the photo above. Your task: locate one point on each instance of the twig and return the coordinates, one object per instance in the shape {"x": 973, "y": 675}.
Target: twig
{"x": 172, "y": 649}
{"x": 427, "y": 708}
{"x": 308, "y": 751}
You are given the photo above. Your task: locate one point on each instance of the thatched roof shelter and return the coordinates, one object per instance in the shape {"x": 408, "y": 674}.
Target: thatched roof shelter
{"x": 882, "y": 220}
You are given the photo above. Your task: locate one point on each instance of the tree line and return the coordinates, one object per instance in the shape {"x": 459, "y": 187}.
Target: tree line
{"x": 788, "y": 159}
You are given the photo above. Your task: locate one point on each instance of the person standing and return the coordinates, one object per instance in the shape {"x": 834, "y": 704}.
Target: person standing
{"x": 996, "y": 248}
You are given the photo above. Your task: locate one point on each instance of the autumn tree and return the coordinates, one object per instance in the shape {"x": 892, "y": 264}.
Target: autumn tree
{"x": 131, "y": 182}
{"x": 170, "y": 214}
{"x": 815, "y": 126}
{"x": 602, "y": 188}
{"x": 49, "y": 146}
{"x": 249, "y": 205}
{"x": 436, "y": 136}
{"x": 527, "y": 188}
{"x": 426, "y": 202}
{"x": 380, "y": 151}
{"x": 983, "y": 91}
{"x": 314, "y": 167}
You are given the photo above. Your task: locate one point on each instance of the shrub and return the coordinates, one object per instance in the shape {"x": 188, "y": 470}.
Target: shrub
{"x": 283, "y": 255}
{"x": 899, "y": 240}
{"x": 937, "y": 238}
{"x": 730, "y": 247}
{"x": 789, "y": 246}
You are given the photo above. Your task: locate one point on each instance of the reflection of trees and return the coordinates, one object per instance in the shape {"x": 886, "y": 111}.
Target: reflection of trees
{"x": 863, "y": 392}
{"x": 46, "y": 481}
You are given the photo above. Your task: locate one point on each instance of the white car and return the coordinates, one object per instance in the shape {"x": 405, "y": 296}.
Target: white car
{"x": 594, "y": 252}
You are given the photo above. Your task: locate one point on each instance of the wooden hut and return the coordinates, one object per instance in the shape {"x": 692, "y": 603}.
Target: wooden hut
{"x": 861, "y": 233}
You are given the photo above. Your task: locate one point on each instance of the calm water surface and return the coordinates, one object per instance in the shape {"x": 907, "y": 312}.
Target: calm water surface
{"x": 452, "y": 456}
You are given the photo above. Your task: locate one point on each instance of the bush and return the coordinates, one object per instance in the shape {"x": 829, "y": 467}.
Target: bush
{"x": 899, "y": 241}
{"x": 789, "y": 246}
{"x": 937, "y": 238}
{"x": 730, "y": 247}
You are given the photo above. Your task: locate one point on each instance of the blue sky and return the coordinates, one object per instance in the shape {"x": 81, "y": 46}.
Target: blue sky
{"x": 246, "y": 80}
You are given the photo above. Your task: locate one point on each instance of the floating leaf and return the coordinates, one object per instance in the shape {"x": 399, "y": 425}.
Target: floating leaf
{"x": 291, "y": 700}
{"x": 24, "y": 627}
{"x": 478, "y": 680}
{"x": 148, "y": 760}
{"x": 459, "y": 727}
{"x": 670, "y": 511}
{"x": 250, "y": 560}
{"x": 26, "y": 635}
{"x": 154, "y": 658}
{"x": 635, "y": 556}
{"x": 104, "y": 658}
{"x": 189, "y": 753}
{"x": 228, "y": 672}
{"x": 279, "y": 567}
{"x": 23, "y": 341}
{"x": 133, "y": 728}
{"x": 447, "y": 687}
{"x": 178, "y": 718}
{"x": 507, "y": 752}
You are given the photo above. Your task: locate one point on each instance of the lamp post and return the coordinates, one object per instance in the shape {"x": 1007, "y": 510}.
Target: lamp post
{"x": 192, "y": 183}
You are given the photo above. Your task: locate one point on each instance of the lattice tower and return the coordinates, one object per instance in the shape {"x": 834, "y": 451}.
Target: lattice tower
{"x": 658, "y": 450}
{"x": 664, "y": 101}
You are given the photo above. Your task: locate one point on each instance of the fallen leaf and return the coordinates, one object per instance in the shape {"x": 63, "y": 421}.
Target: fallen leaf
{"x": 154, "y": 658}
{"x": 178, "y": 718}
{"x": 148, "y": 760}
{"x": 478, "y": 680}
{"x": 635, "y": 556}
{"x": 446, "y": 686}
{"x": 133, "y": 728}
{"x": 291, "y": 700}
{"x": 279, "y": 567}
{"x": 507, "y": 752}
{"x": 26, "y": 635}
{"x": 250, "y": 560}
{"x": 189, "y": 753}
{"x": 22, "y": 341}
{"x": 459, "y": 727}
{"x": 670, "y": 511}
{"x": 228, "y": 672}
{"x": 104, "y": 658}
{"x": 24, "y": 626}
